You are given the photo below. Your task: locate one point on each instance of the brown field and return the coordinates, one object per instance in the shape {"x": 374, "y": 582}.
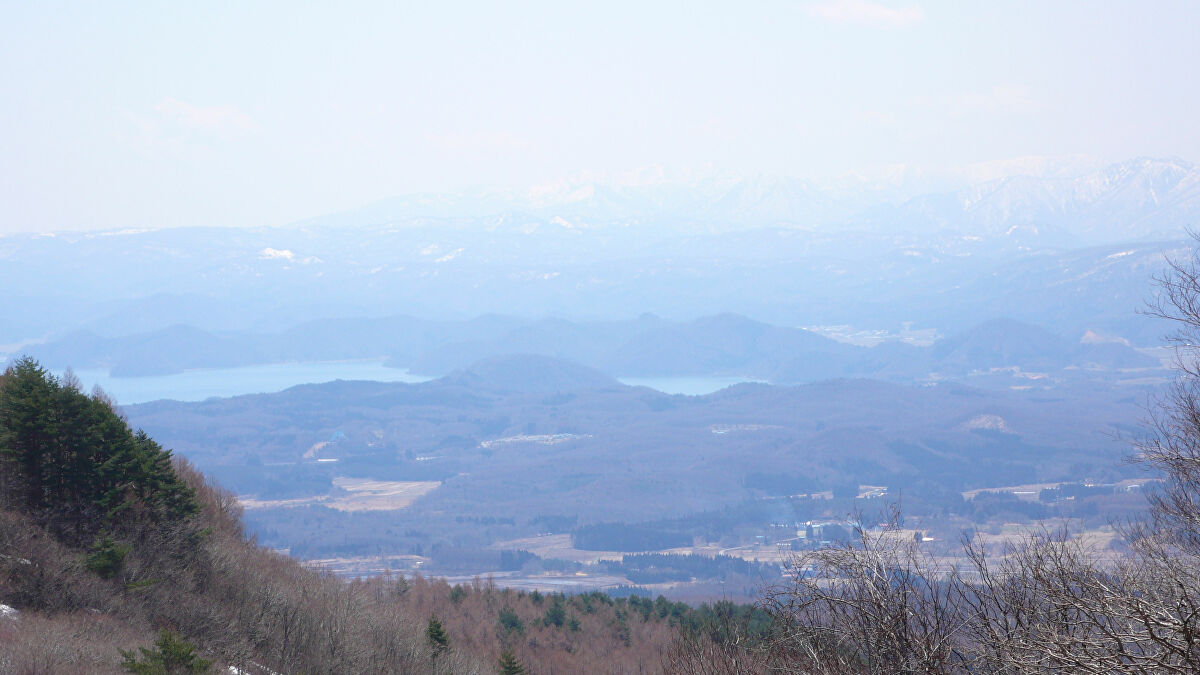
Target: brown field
{"x": 1030, "y": 491}
{"x": 365, "y": 495}
{"x": 559, "y": 546}
{"x": 556, "y": 546}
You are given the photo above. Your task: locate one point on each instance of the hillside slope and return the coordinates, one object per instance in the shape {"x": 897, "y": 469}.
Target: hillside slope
{"x": 106, "y": 540}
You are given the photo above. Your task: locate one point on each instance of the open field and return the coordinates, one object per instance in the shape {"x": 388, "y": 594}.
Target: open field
{"x": 364, "y": 495}
{"x": 556, "y": 546}
{"x": 1030, "y": 491}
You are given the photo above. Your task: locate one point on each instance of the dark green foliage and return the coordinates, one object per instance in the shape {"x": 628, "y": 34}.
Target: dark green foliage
{"x": 779, "y": 483}
{"x": 170, "y": 656}
{"x": 724, "y": 622}
{"x": 556, "y": 614}
{"x": 627, "y": 537}
{"x": 509, "y": 622}
{"x": 436, "y": 635}
{"x": 26, "y": 428}
{"x": 106, "y": 556}
{"x": 620, "y": 627}
{"x": 845, "y": 490}
{"x": 457, "y": 594}
{"x": 650, "y": 568}
{"x": 513, "y": 560}
{"x": 554, "y": 523}
{"x": 990, "y": 505}
{"x": 73, "y": 460}
{"x": 509, "y": 665}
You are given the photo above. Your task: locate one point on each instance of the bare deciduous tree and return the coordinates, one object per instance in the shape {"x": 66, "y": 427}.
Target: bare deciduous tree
{"x": 1045, "y": 604}
{"x": 878, "y": 604}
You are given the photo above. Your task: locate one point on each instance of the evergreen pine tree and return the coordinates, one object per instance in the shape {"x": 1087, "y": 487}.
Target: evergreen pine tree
{"x": 170, "y": 656}
{"x": 106, "y": 556}
{"x": 26, "y": 429}
{"x": 436, "y": 635}
{"x": 556, "y": 614}
{"x": 509, "y": 665}
{"x": 74, "y": 460}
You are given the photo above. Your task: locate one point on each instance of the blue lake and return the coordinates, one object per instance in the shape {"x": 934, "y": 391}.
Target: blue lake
{"x": 197, "y": 385}
{"x": 201, "y": 384}
{"x": 697, "y": 385}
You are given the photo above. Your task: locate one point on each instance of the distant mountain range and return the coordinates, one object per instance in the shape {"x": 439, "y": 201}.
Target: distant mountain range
{"x": 1074, "y": 252}
{"x": 1142, "y": 199}
{"x": 1139, "y": 199}
{"x": 649, "y": 346}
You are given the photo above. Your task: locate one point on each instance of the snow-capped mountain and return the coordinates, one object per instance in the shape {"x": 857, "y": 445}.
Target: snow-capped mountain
{"x": 1140, "y": 199}
{"x": 1065, "y": 251}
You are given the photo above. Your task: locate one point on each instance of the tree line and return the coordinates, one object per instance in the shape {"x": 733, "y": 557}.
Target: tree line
{"x": 71, "y": 461}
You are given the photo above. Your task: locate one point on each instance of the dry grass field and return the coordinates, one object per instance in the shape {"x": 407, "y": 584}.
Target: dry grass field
{"x": 363, "y": 495}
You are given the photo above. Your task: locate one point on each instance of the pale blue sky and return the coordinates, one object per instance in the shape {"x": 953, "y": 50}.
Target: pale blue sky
{"x": 169, "y": 114}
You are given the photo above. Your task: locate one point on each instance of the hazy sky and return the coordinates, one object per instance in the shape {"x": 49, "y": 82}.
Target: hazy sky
{"x": 165, "y": 114}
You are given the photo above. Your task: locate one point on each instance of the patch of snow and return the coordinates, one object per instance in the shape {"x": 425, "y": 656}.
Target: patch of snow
{"x": 450, "y": 256}
{"x": 533, "y": 275}
{"x": 1122, "y": 254}
{"x": 275, "y": 254}
{"x": 258, "y": 669}
{"x": 118, "y": 233}
{"x": 559, "y": 192}
{"x": 541, "y": 439}
{"x": 994, "y": 422}
{"x": 7, "y": 612}
{"x": 1016, "y": 228}
{"x": 1094, "y": 338}
{"x": 566, "y": 224}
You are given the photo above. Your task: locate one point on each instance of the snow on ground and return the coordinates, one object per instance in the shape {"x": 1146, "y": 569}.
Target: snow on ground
{"x": 276, "y": 254}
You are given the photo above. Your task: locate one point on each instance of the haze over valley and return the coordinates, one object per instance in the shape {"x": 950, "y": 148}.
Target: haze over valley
{"x": 932, "y": 357}
{"x": 818, "y": 336}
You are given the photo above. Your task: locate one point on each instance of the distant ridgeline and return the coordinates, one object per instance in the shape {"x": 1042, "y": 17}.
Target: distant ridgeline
{"x": 72, "y": 461}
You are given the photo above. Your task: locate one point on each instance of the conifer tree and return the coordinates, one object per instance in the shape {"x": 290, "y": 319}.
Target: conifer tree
{"x": 74, "y": 460}
{"x": 106, "y": 556}
{"x": 26, "y": 424}
{"x": 171, "y": 656}
{"x": 509, "y": 665}
{"x": 556, "y": 614}
{"x": 436, "y": 635}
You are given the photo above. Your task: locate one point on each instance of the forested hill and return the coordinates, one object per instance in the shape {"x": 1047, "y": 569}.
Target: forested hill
{"x": 72, "y": 461}
{"x": 117, "y": 557}
{"x": 648, "y": 346}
